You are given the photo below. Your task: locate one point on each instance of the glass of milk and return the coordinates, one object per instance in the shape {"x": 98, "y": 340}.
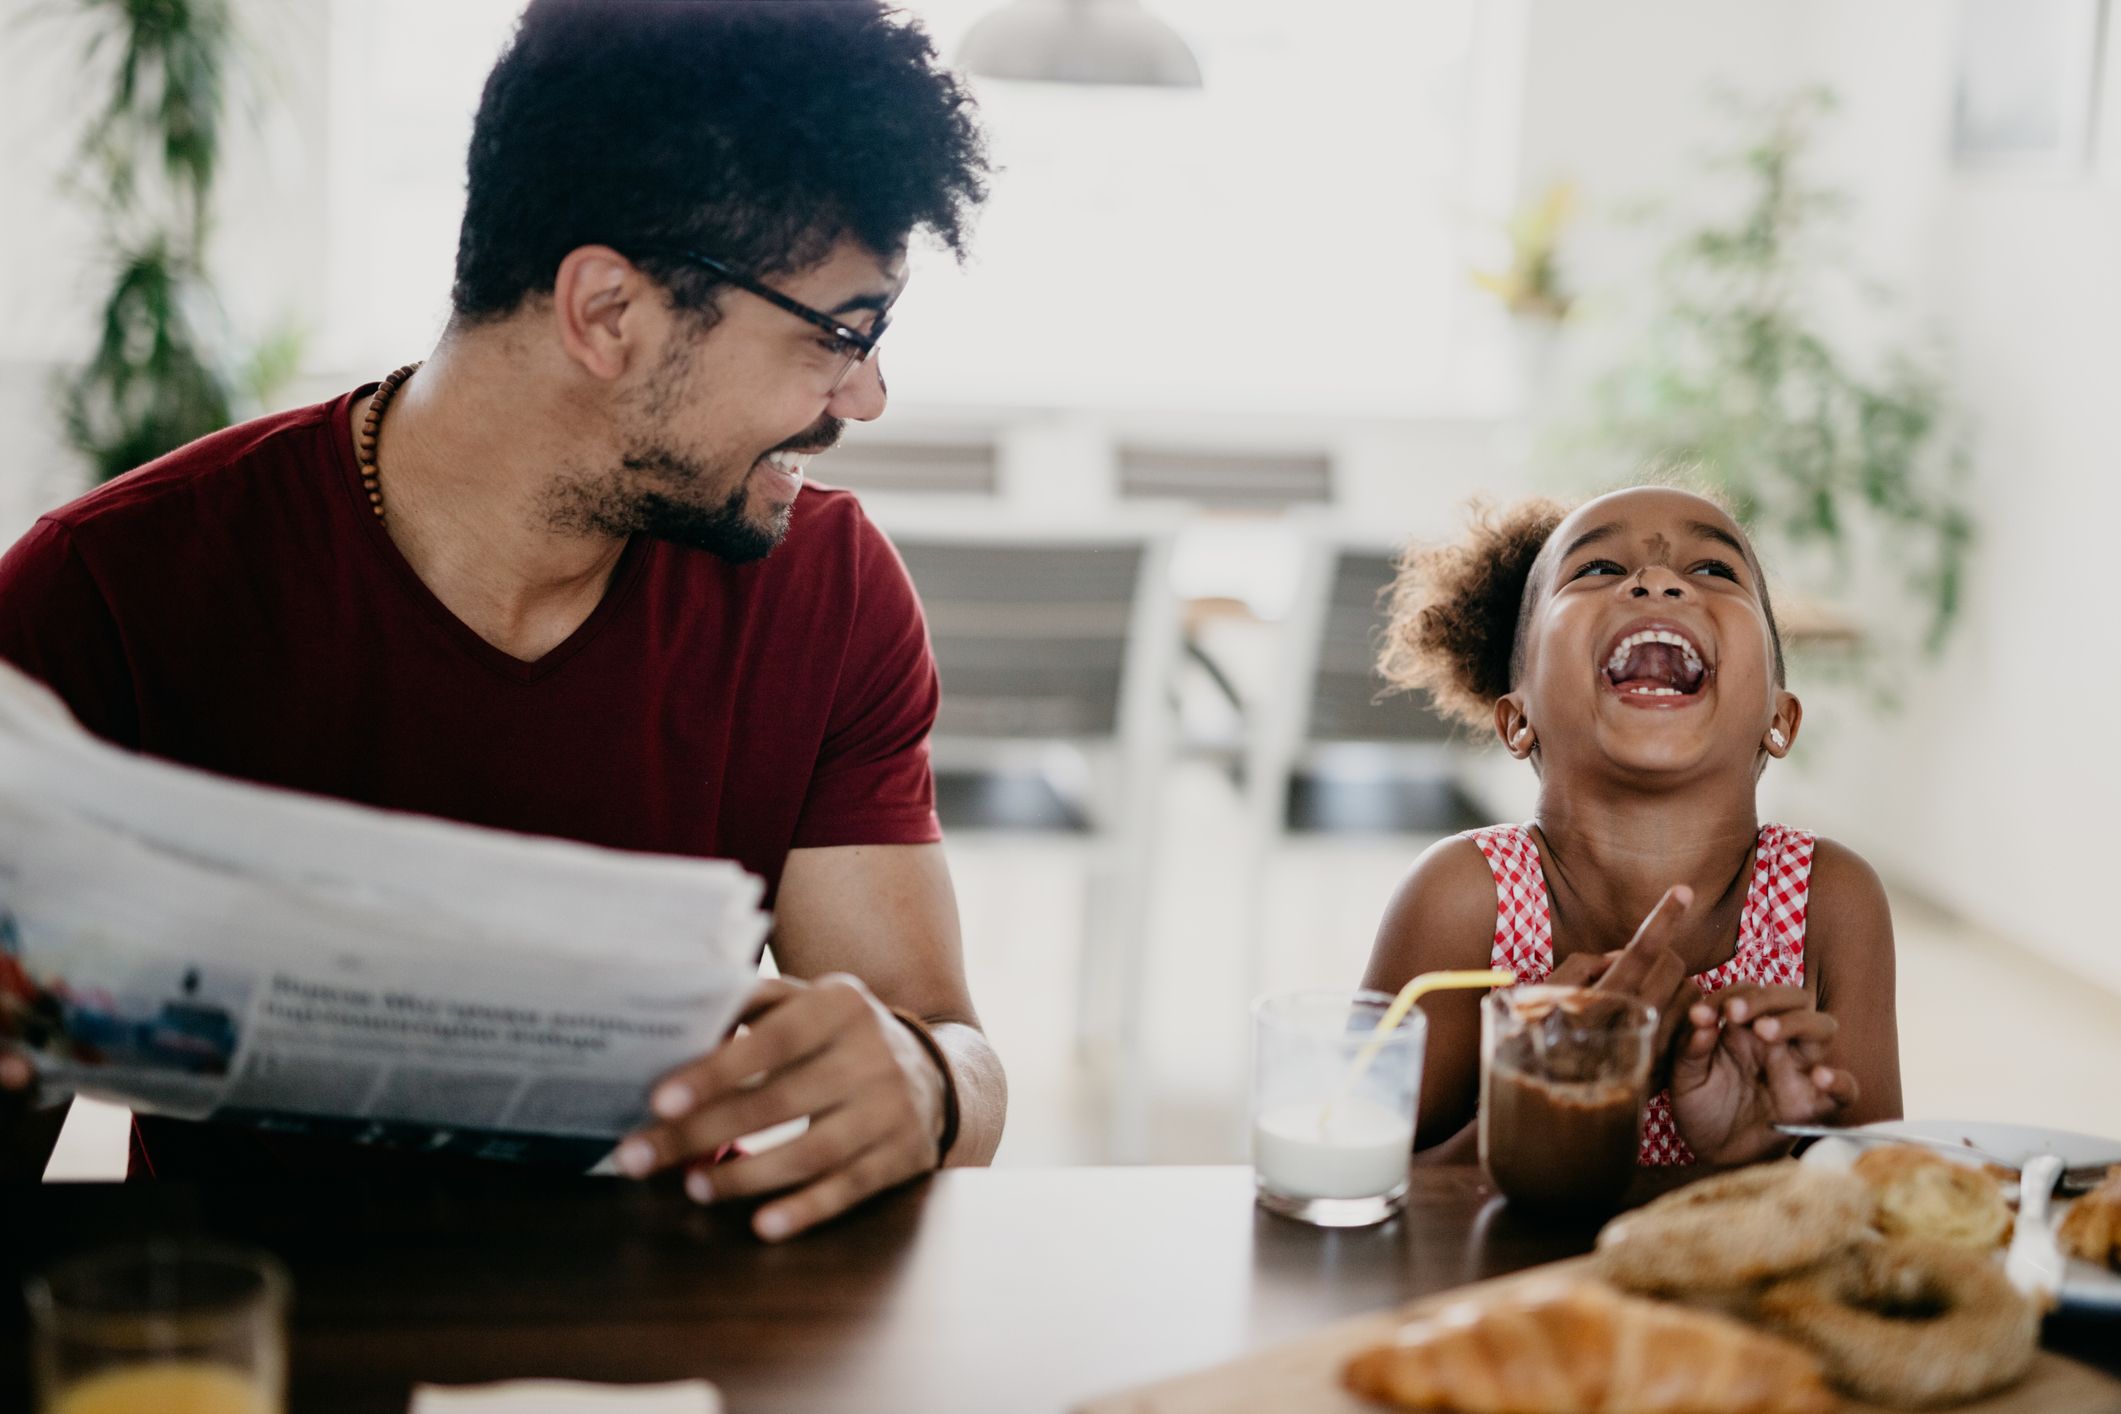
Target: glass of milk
{"x": 1329, "y": 1146}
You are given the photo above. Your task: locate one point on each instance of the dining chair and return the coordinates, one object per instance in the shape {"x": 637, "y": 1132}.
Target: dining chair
{"x": 1056, "y": 649}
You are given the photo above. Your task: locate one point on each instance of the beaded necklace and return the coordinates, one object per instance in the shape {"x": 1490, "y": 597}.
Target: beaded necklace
{"x": 365, "y": 440}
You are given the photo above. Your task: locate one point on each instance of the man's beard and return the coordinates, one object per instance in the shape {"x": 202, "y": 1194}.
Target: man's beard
{"x": 653, "y": 492}
{"x": 657, "y": 490}
{"x": 727, "y": 530}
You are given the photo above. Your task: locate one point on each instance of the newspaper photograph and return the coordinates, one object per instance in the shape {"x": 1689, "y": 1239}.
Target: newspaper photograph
{"x": 501, "y": 996}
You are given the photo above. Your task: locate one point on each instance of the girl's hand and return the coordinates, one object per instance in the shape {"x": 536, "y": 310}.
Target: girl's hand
{"x": 1751, "y": 1058}
{"x": 1649, "y": 969}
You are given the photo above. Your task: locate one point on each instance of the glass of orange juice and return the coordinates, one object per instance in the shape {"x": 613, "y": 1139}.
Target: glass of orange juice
{"x": 172, "y": 1327}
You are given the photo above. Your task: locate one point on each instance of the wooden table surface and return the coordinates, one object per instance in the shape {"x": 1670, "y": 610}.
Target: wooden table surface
{"x": 982, "y": 1291}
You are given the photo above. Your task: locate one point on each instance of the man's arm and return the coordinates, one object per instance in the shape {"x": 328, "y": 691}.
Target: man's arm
{"x": 859, "y": 930}
{"x": 888, "y": 915}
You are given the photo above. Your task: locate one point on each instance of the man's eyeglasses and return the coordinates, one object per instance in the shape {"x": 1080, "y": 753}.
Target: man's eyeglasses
{"x": 850, "y": 345}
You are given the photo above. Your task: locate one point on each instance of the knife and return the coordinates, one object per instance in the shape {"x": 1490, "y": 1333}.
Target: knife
{"x": 2035, "y": 1264}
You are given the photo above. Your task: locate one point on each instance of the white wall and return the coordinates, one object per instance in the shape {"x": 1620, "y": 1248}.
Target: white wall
{"x": 42, "y": 243}
{"x": 1993, "y": 791}
{"x": 1996, "y": 793}
{"x": 269, "y": 250}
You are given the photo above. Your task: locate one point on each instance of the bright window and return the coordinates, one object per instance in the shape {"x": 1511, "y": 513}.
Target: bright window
{"x": 1291, "y": 237}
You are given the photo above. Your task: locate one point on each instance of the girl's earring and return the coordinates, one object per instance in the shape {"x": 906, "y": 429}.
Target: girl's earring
{"x": 1777, "y": 740}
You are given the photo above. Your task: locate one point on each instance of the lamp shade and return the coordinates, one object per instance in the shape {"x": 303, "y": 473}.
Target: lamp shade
{"x": 1078, "y": 41}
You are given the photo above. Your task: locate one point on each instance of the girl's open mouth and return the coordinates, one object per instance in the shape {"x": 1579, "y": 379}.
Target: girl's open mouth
{"x": 1656, "y": 665}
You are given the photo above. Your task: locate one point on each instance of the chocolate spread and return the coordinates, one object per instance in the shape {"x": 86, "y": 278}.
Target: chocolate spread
{"x": 1561, "y": 1097}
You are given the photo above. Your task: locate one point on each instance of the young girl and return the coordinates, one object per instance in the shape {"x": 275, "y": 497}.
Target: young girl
{"x": 1627, "y": 651}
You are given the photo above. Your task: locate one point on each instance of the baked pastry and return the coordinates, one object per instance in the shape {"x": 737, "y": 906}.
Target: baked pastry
{"x": 1908, "y": 1323}
{"x": 1570, "y": 1346}
{"x": 1735, "y": 1229}
{"x": 1924, "y": 1194}
{"x": 2091, "y": 1229}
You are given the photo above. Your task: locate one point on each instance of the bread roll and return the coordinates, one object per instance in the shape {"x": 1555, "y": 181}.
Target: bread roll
{"x": 1926, "y": 1195}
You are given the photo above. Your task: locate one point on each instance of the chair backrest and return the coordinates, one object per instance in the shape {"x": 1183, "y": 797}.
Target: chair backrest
{"x": 1346, "y": 698}
{"x": 954, "y": 465}
{"x": 1225, "y": 479}
{"x": 1330, "y": 750}
{"x": 1033, "y": 638}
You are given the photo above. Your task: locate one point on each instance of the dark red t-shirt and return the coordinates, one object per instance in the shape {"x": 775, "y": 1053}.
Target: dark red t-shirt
{"x": 236, "y": 606}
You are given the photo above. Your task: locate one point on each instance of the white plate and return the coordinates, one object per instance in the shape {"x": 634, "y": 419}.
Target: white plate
{"x": 2084, "y": 1285}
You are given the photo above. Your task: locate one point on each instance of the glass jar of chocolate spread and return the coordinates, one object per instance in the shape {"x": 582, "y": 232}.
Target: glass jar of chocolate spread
{"x": 1564, "y": 1074}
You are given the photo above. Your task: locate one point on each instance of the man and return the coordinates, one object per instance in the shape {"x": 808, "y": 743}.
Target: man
{"x": 564, "y": 577}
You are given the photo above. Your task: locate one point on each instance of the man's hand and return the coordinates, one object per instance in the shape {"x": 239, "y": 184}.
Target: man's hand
{"x": 29, "y": 1125}
{"x": 827, "y": 1051}
{"x": 18, "y": 1088}
{"x": 1754, "y": 1057}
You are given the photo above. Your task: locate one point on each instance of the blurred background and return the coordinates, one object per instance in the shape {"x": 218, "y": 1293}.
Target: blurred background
{"x": 1264, "y": 291}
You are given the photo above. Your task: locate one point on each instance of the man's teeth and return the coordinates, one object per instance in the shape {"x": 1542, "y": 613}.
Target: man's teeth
{"x": 1619, "y": 661}
{"x": 790, "y": 462}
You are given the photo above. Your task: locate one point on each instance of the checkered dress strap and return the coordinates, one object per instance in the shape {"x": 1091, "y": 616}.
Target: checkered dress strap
{"x": 1524, "y": 927}
{"x": 1770, "y": 952}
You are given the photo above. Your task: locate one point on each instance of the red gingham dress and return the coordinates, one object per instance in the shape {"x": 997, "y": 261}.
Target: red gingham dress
{"x": 1770, "y": 936}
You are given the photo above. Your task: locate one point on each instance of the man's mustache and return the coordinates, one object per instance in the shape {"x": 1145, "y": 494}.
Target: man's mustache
{"x": 821, "y": 436}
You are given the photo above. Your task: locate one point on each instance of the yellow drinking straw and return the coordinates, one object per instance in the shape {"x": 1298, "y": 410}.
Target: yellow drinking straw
{"x": 1417, "y": 987}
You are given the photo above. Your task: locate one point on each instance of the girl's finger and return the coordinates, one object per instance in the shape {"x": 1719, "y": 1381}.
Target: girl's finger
{"x": 1642, "y": 966}
{"x": 1839, "y": 1086}
{"x": 1582, "y": 969}
{"x": 1750, "y": 1000}
{"x": 1797, "y": 1028}
{"x": 1807, "y": 1095}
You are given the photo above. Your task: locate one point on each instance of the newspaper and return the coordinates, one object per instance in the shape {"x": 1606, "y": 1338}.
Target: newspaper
{"x": 200, "y": 947}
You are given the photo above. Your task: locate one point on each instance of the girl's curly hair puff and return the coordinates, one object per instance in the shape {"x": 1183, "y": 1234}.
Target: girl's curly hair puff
{"x": 1455, "y": 609}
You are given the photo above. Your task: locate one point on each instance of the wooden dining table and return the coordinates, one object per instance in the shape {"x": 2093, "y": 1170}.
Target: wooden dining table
{"x": 982, "y": 1291}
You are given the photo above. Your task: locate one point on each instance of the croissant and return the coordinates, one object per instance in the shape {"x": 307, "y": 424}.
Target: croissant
{"x": 1579, "y": 1347}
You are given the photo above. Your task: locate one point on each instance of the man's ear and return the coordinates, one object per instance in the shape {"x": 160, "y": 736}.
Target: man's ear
{"x": 1514, "y": 727}
{"x": 1782, "y": 727}
{"x": 601, "y": 305}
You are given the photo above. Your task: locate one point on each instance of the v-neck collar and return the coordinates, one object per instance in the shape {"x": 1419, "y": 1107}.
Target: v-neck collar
{"x": 624, "y": 575}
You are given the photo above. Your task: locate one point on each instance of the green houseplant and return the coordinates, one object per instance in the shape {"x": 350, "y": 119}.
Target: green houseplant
{"x": 1529, "y": 283}
{"x": 1848, "y": 466}
{"x": 159, "y": 374}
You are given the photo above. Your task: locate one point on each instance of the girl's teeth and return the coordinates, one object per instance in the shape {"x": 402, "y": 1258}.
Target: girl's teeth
{"x": 1619, "y": 660}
